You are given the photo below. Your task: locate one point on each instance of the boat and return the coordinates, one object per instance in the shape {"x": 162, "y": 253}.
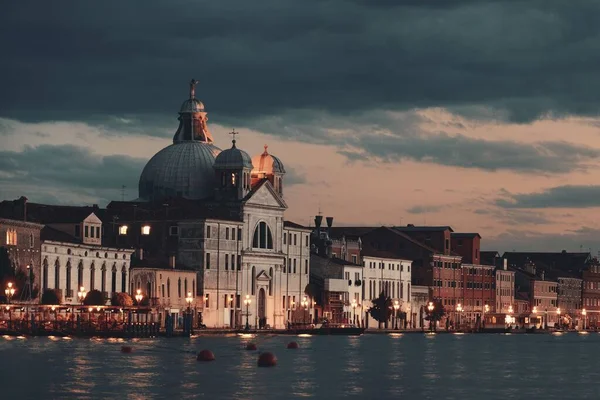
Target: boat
{"x": 326, "y": 329}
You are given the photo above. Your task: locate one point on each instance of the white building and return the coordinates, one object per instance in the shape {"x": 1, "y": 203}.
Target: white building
{"x": 72, "y": 257}
{"x": 386, "y": 273}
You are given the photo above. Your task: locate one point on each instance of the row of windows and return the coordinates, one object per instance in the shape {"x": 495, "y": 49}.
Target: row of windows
{"x": 356, "y": 276}
{"x": 391, "y": 289}
{"x": 538, "y": 302}
{"x": 390, "y": 266}
{"x": 291, "y": 266}
{"x": 504, "y": 292}
{"x": 505, "y": 277}
{"x": 230, "y": 261}
{"x": 80, "y": 281}
{"x": 461, "y": 284}
{"x": 292, "y": 239}
{"x": 181, "y": 291}
{"x": 88, "y": 231}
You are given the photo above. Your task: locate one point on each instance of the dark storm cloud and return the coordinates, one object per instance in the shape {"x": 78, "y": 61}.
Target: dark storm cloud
{"x": 74, "y": 170}
{"x": 424, "y": 209}
{"x": 465, "y": 152}
{"x": 72, "y": 60}
{"x": 568, "y": 196}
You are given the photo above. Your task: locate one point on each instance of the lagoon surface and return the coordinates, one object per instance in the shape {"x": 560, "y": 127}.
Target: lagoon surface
{"x": 409, "y": 366}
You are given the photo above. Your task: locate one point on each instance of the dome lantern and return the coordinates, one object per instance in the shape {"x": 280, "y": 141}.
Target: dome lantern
{"x": 233, "y": 169}
{"x": 192, "y": 120}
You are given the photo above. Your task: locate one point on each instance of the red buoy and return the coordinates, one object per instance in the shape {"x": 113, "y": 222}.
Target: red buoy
{"x": 251, "y": 346}
{"x": 292, "y": 345}
{"x": 267, "y": 359}
{"x": 126, "y": 349}
{"x": 206, "y": 355}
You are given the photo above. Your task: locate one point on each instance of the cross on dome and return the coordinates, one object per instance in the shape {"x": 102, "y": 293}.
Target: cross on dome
{"x": 193, "y": 84}
{"x": 266, "y": 147}
{"x": 233, "y": 133}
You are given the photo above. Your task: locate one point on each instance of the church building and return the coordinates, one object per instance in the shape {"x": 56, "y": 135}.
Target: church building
{"x": 221, "y": 214}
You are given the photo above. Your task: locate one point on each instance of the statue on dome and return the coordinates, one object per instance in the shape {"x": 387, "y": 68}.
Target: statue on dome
{"x": 193, "y": 84}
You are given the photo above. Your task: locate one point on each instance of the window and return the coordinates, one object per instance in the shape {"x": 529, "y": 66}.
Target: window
{"x": 294, "y": 265}
{"x": 45, "y": 275}
{"x": 262, "y": 237}
{"x": 232, "y": 262}
{"x": 31, "y": 240}
{"x": 306, "y": 241}
{"x": 226, "y": 262}
{"x": 208, "y": 231}
{"x": 146, "y": 230}
{"x": 113, "y": 278}
{"x": 239, "y": 262}
{"x": 207, "y": 299}
{"x": 103, "y": 278}
{"x": 226, "y": 233}
{"x": 57, "y": 275}
{"x": 306, "y": 267}
{"x": 233, "y": 179}
{"x": 239, "y": 234}
{"x": 97, "y": 232}
{"x": 174, "y": 231}
{"x": 185, "y": 286}
{"x": 69, "y": 294}
{"x": 86, "y": 231}
{"x": 168, "y": 287}
{"x": 253, "y": 280}
{"x": 123, "y": 230}
{"x": 207, "y": 260}
{"x": 271, "y": 282}
{"x": 92, "y": 277}
{"x": 80, "y": 275}
{"x": 284, "y": 238}
{"x": 11, "y": 237}
{"x": 295, "y": 237}
{"x": 123, "y": 279}
{"x": 179, "y": 287}
{"x": 354, "y": 258}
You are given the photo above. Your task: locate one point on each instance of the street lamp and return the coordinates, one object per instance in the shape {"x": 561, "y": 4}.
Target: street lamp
{"x": 396, "y": 308}
{"x": 509, "y": 318}
{"x": 304, "y": 304}
{"x": 81, "y": 294}
{"x": 584, "y": 313}
{"x": 459, "y": 309}
{"x": 430, "y": 308}
{"x": 247, "y": 302}
{"x": 139, "y": 296}
{"x": 486, "y": 309}
{"x": 558, "y": 317}
{"x": 535, "y": 313}
{"x": 9, "y": 291}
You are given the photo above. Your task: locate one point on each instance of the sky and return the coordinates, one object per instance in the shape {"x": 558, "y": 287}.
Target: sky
{"x": 481, "y": 115}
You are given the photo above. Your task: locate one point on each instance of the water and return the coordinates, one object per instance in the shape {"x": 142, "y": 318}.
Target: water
{"x": 410, "y": 366}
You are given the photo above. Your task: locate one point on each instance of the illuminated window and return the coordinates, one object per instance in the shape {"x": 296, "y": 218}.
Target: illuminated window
{"x": 11, "y": 237}
{"x": 123, "y": 230}
{"x": 146, "y": 230}
{"x": 233, "y": 179}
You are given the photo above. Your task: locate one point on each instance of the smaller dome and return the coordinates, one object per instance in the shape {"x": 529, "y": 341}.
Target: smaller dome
{"x": 191, "y": 106}
{"x": 233, "y": 158}
{"x": 267, "y": 163}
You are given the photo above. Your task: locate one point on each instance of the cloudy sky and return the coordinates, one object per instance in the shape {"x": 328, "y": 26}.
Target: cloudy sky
{"x": 482, "y": 115}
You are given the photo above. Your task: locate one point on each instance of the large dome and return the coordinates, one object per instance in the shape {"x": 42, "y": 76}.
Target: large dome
{"x": 183, "y": 169}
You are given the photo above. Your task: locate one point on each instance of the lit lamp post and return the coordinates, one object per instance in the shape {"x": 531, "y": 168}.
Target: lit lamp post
{"x": 304, "y": 304}
{"x": 81, "y": 294}
{"x": 353, "y": 305}
{"x": 9, "y": 291}
{"x": 430, "y": 308}
{"x": 535, "y": 314}
{"x": 459, "y": 309}
{"x": 558, "y": 317}
{"x": 139, "y": 296}
{"x": 584, "y": 314}
{"x": 189, "y": 299}
{"x": 396, "y": 308}
{"x": 247, "y": 302}
{"x": 509, "y": 317}
{"x": 486, "y": 309}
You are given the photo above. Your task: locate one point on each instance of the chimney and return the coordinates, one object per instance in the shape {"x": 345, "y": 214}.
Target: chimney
{"x": 329, "y": 223}
{"x": 172, "y": 262}
{"x": 318, "y": 220}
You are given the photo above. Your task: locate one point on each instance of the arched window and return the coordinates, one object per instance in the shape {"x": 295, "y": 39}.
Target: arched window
{"x": 123, "y": 279}
{"x": 69, "y": 290}
{"x": 56, "y": 274}
{"x": 92, "y": 277}
{"x": 253, "y": 280}
{"x": 113, "y": 279}
{"x": 103, "y": 278}
{"x": 271, "y": 281}
{"x": 79, "y": 275}
{"x": 31, "y": 241}
{"x": 179, "y": 287}
{"x": 45, "y": 274}
{"x": 168, "y": 287}
{"x": 262, "y": 237}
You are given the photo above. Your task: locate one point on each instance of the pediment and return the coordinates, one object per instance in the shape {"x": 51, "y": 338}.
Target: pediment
{"x": 263, "y": 276}
{"x": 92, "y": 219}
{"x": 265, "y": 195}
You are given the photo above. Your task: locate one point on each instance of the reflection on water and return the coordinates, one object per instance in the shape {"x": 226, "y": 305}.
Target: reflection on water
{"x": 372, "y": 366}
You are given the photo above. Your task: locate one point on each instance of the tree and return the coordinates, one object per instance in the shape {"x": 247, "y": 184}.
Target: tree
{"x": 381, "y": 311}
{"x": 437, "y": 314}
{"x": 313, "y": 292}
{"x": 121, "y": 299}
{"x": 52, "y": 297}
{"x": 94, "y": 298}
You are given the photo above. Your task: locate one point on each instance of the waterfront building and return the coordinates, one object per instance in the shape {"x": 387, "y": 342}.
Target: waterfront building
{"x": 70, "y": 263}
{"x": 384, "y": 272}
{"x": 20, "y": 245}
{"x": 221, "y": 214}
{"x": 419, "y": 299}
{"x": 591, "y": 293}
{"x": 171, "y": 290}
{"x": 339, "y": 289}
